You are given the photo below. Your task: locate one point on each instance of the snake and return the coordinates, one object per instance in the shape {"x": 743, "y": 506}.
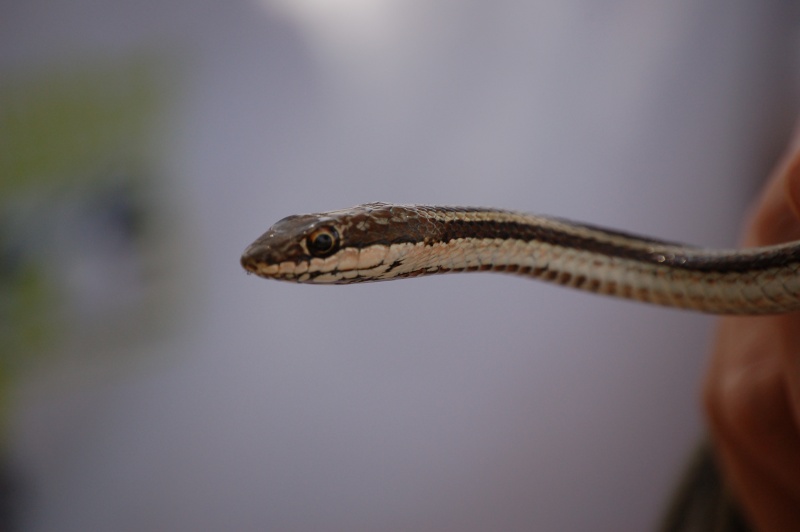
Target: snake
{"x": 383, "y": 241}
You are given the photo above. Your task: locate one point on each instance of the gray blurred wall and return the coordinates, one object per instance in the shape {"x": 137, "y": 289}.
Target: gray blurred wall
{"x": 467, "y": 403}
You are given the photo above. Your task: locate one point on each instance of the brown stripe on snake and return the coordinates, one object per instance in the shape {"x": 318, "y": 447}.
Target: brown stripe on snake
{"x": 528, "y": 233}
{"x": 384, "y": 224}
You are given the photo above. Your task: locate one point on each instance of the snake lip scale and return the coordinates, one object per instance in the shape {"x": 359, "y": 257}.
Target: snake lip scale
{"x": 382, "y": 241}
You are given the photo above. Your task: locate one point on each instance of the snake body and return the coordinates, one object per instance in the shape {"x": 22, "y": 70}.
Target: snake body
{"x": 381, "y": 241}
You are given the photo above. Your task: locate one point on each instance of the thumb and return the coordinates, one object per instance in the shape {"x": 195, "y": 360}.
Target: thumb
{"x": 791, "y": 179}
{"x": 777, "y": 212}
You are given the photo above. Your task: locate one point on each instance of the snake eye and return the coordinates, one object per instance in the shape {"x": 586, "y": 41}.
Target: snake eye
{"x": 323, "y": 241}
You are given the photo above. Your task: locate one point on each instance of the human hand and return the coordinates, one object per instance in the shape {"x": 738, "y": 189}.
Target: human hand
{"x": 752, "y": 388}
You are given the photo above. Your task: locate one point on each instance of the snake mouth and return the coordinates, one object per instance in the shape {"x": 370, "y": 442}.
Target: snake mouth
{"x": 249, "y": 264}
{"x": 263, "y": 261}
{"x": 286, "y": 271}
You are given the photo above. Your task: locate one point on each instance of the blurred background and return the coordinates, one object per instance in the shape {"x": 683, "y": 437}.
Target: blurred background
{"x": 147, "y": 383}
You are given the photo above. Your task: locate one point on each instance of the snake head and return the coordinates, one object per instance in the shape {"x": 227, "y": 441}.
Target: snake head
{"x": 292, "y": 241}
{"x": 332, "y": 247}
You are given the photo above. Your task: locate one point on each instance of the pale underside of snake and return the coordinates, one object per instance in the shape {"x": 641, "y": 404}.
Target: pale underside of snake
{"x": 381, "y": 241}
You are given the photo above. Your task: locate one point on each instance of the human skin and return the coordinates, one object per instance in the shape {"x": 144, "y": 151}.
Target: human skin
{"x": 752, "y": 387}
